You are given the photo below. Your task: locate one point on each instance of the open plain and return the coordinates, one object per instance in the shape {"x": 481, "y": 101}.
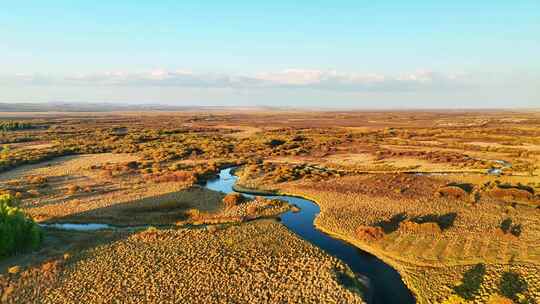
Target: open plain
{"x": 449, "y": 199}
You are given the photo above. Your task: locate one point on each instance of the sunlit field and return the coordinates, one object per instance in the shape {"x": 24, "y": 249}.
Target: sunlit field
{"x": 450, "y": 200}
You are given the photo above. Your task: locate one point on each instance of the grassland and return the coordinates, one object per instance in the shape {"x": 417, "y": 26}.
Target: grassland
{"x": 251, "y": 263}
{"x": 410, "y": 187}
{"x": 431, "y": 261}
{"x": 434, "y": 228}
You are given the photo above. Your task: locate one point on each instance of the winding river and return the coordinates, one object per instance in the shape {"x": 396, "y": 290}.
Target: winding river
{"x": 385, "y": 284}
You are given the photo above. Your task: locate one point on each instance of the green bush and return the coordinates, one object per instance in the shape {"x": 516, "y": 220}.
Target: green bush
{"x": 506, "y": 225}
{"x": 512, "y": 285}
{"x": 18, "y": 232}
{"x": 471, "y": 282}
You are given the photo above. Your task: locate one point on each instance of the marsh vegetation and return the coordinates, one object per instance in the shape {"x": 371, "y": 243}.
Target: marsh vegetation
{"x": 412, "y": 188}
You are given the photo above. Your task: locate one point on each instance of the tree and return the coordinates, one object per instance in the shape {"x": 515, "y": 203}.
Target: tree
{"x": 506, "y": 224}
{"x": 18, "y": 232}
{"x": 472, "y": 280}
{"x": 511, "y": 285}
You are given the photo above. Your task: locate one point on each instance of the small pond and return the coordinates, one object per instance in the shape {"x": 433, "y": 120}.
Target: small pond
{"x": 78, "y": 227}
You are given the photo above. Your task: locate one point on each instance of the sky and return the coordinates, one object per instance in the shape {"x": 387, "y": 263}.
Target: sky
{"x": 351, "y": 54}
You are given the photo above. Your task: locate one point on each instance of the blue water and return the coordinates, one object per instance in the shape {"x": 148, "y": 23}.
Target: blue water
{"x": 385, "y": 284}
{"x": 78, "y": 227}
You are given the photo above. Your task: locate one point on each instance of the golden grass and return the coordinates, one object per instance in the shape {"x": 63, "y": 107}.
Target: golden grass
{"x": 75, "y": 192}
{"x": 74, "y": 189}
{"x": 420, "y": 165}
{"x": 432, "y": 256}
{"x": 241, "y": 131}
{"x": 524, "y": 146}
{"x": 252, "y": 263}
{"x": 351, "y": 159}
{"x": 65, "y": 166}
{"x": 429, "y": 258}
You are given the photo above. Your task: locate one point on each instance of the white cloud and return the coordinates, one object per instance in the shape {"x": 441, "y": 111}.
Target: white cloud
{"x": 334, "y": 80}
{"x": 290, "y": 78}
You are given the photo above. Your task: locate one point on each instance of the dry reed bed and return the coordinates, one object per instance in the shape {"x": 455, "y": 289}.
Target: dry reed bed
{"x": 258, "y": 262}
{"x": 436, "y": 284}
{"x": 248, "y": 210}
{"x": 95, "y": 195}
{"x": 71, "y": 189}
{"x": 429, "y": 261}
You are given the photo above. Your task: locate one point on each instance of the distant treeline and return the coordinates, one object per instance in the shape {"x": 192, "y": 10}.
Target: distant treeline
{"x": 15, "y": 125}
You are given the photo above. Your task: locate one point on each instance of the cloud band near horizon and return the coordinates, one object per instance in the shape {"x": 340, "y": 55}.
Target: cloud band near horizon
{"x": 291, "y": 78}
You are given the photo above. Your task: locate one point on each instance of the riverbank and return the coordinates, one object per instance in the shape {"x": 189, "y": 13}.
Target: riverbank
{"x": 431, "y": 263}
{"x": 256, "y": 262}
{"x": 363, "y": 246}
{"x": 381, "y": 276}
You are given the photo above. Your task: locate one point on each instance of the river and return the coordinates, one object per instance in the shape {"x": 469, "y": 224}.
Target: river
{"x": 385, "y": 283}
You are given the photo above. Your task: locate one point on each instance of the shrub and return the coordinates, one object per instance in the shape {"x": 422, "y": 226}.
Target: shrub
{"x": 454, "y": 299}
{"x": 37, "y": 180}
{"x": 472, "y": 280}
{"x": 252, "y": 209}
{"x": 275, "y": 142}
{"x": 193, "y": 213}
{"x": 516, "y": 230}
{"x": 17, "y": 231}
{"x": 511, "y": 193}
{"x": 72, "y": 189}
{"x": 232, "y": 199}
{"x": 444, "y": 221}
{"x": 475, "y": 197}
{"x": 506, "y": 224}
{"x": 464, "y": 186}
{"x": 452, "y": 192}
{"x": 368, "y": 233}
{"x": 14, "y": 125}
{"x": 392, "y": 224}
{"x": 177, "y": 176}
{"x": 508, "y": 227}
{"x": 511, "y": 285}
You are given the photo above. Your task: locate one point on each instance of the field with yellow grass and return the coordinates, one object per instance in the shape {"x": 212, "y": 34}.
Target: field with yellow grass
{"x": 450, "y": 199}
{"x": 251, "y": 263}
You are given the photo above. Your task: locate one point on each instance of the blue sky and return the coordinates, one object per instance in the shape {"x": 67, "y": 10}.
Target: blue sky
{"x": 388, "y": 54}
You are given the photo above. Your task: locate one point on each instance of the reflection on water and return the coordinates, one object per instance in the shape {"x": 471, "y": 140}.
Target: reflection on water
{"x": 77, "y": 227}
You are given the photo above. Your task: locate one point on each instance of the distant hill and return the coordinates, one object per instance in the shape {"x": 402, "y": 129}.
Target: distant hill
{"x": 114, "y": 107}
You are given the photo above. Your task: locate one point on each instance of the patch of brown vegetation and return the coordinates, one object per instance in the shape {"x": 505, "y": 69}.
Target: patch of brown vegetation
{"x": 394, "y": 186}
{"x": 452, "y": 192}
{"x": 511, "y": 194}
{"x": 368, "y": 233}
{"x": 177, "y": 176}
{"x": 233, "y": 199}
